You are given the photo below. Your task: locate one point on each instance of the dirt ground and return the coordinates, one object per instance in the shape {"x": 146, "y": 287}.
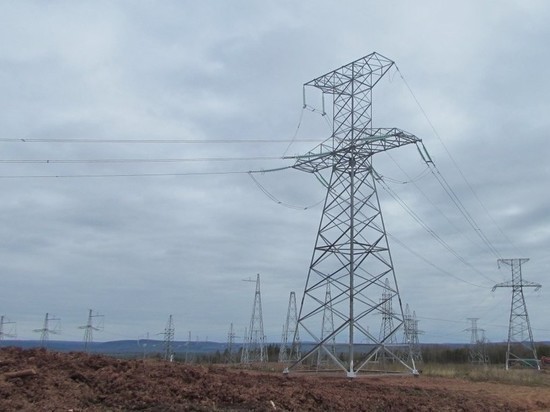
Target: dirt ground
{"x": 55, "y": 381}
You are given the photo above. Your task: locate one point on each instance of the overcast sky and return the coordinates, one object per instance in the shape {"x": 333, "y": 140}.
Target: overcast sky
{"x": 472, "y": 84}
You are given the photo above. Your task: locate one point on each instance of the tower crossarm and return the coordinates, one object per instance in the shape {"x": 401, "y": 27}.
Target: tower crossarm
{"x": 367, "y": 144}
{"x": 522, "y": 284}
{"x": 367, "y": 70}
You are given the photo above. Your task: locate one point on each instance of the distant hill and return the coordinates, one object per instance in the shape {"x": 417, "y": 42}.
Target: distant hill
{"x": 152, "y": 347}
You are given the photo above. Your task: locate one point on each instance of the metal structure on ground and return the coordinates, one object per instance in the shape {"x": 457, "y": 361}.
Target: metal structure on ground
{"x": 7, "y": 328}
{"x": 189, "y": 355}
{"x": 521, "y": 347}
{"x": 387, "y": 326}
{"x": 286, "y": 352}
{"x": 327, "y": 329}
{"x": 90, "y": 327}
{"x": 230, "y": 350}
{"x": 477, "y": 351}
{"x": 255, "y": 349}
{"x": 414, "y": 349}
{"x": 351, "y": 251}
{"x": 169, "y": 332}
{"x": 46, "y": 329}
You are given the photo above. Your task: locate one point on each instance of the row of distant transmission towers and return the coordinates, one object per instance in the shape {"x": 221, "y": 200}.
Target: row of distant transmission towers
{"x": 52, "y": 326}
{"x": 254, "y": 346}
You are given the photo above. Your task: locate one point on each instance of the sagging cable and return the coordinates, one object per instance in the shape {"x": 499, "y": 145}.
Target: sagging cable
{"x": 276, "y": 200}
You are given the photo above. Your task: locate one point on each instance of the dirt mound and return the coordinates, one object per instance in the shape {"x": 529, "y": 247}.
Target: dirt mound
{"x": 80, "y": 382}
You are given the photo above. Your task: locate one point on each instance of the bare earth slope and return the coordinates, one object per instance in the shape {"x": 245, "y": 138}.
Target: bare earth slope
{"x": 81, "y": 382}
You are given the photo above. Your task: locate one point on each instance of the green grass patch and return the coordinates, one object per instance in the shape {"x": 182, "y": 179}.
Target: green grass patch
{"x": 489, "y": 373}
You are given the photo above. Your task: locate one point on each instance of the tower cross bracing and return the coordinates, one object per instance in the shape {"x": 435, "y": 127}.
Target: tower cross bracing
{"x": 351, "y": 251}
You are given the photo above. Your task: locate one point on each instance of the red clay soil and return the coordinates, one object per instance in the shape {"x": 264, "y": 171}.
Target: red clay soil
{"x": 55, "y": 381}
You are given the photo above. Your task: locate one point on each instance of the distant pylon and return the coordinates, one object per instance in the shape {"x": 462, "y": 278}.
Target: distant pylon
{"x": 477, "y": 351}
{"x": 521, "y": 347}
{"x": 411, "y": 343}
{"x": 230, "y": 350}
{"x": 288, "y": 352}
{"x": 415, "y": 349}
{"x": 244, "y": 350}
{"x": 45, "y": 331}
{"x": 89, "y": 328}
{"x": 387, "y": 328}
{"x": 7, "y": 328}
{"x": 351, "y": 251}
{"x": 255, "y": 350}
{"x": 169, "y": 332}
{"x": 327, "y": 349}
{"x": 188, "y": 356}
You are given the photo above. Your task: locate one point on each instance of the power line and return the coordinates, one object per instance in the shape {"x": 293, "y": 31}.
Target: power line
{"x": 153, "y": 141}
{"x": 430, "y": 231}
{"x": 280, "y": 202}
{"x": 191, "y": 159}
{"x": 109, "y": 175}
{"x": 434, "y": 205}
{"x": 460, "y": 206}
{"x": 86, "y": 176}
{"x": 455, "y": 199}
{"x": 433, "y": 264}
{"x": 478, "y": 230}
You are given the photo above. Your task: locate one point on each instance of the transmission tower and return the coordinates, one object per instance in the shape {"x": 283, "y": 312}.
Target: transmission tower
{"x": 410, "y": 348}
{"x": 286, "y": 352}
{"x": 230, "y": 351}
{"x": 414, "y": 348}
{"x": 169, "y": 331}
{"x": 328, "y": 348}
{"x": 89, "y": 328}
{"x": 255, "y": 350}
{"x": 477, "y": 350}
{"x": 7, "y": 328}
{"x": 386, "y": 326}
{"x": 521, "y": 347}
{"x": 189, "y": 356}
{"x": 244, "y": 351}
{"x": 351, "y": 250}
{"x": 45, "y": 331}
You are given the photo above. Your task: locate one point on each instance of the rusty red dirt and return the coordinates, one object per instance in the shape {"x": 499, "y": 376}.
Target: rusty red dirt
{"x": 82, "y": 382}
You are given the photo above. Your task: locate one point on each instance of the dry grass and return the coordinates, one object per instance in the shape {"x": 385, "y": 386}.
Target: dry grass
{"x": 489, "y": 373}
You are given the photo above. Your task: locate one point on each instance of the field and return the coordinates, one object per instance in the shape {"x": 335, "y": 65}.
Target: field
{"x": 80, "y": 382}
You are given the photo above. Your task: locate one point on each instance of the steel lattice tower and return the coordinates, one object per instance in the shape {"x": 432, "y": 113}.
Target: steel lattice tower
{"x": 414, "y": 347}
{"x": 10, "y": 333}
{"x": 477, "y": 350}
{"x": 327, "y": 329}
{"x": 89, "y": 329}
{"x": 169, "y": 332}
{"x": 410, "y": 348}
{"x": 45, "y": 330}
{"x": 231, "y": 335}
{"x": 255, "y": 350}
{"x": 408, "y": 332}
{"x": 289, "y": 329}
{"x": 386, "y": 326}
{"x": 521, "y": 347}
{"x": 351, "y": 250}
